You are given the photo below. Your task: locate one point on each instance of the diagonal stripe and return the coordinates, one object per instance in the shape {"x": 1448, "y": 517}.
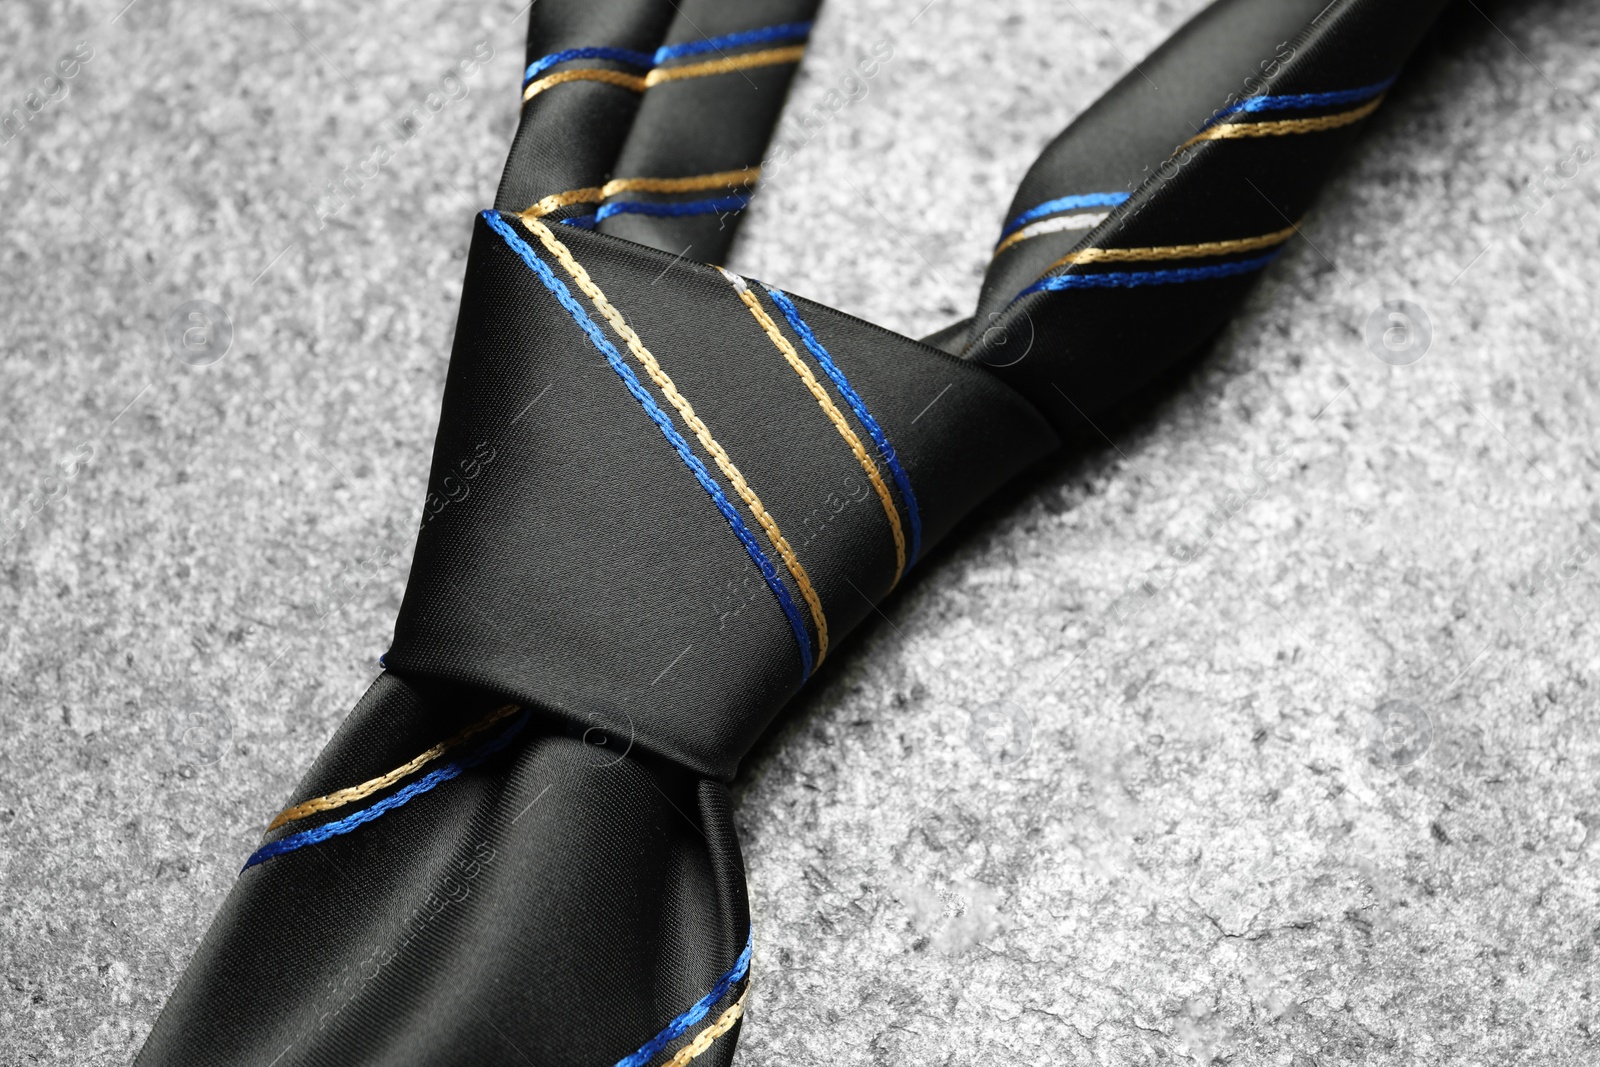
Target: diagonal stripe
{"x": 1134, "y": 279}
{"x": 350, "y": 823}
{"x": 663, "y": 422}
{"x": 635, "y": 82}
{"x": 1281, "y": 128}
{"x": 1064, "y": 203}
{"x": 726, "y": 204}
{"x": 681, "y": 404}
{"x": 1294, "y": 101}
{"x": 620, "y": 55}
{"x": 831, "y": 410}
{"x": 1154, "y": 253}
{"x": 702, "y": 1041}
{"x": 1055, "y": 225}
{"x": 722, "y": 179}
{"x": 340, "y": 798}
{"x": 859, "y": 406}
{"x": 770, "y": 58}
{"x": 785, "y": 31}
{"x": 679, "y": 1026}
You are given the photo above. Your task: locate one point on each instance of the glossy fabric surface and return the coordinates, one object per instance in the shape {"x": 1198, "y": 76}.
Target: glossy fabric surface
{"x": 651, "y": 574}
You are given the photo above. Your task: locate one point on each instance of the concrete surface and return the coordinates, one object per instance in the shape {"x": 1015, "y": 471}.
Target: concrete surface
{"x": 1323, "y": 795}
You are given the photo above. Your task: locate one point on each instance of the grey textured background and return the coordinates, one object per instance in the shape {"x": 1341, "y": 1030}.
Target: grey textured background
{"x": 1188, "y": 836}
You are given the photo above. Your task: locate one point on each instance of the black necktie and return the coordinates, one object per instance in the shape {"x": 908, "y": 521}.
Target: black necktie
{"x": 661, "y": 493}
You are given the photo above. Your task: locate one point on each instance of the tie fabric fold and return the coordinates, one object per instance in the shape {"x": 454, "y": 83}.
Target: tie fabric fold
{"x": 661, "y": 493}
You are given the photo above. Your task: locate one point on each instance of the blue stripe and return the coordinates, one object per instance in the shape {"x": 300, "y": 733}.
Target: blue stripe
{"x": 885, "y": 449}
{"x": 582, "y": 222}
{"x": 563, "y": 296}
{"x": 1297, "y": 101}
{"x": 1065, "y": 203}
{"x": 787, "y": 31}
{"x": 1132, "y": 279}
{"x": 676, "y": 1028}
{"x": 389, "y": 803}
{"x": 620, "y": 55}
{"x": 692, "y": 207}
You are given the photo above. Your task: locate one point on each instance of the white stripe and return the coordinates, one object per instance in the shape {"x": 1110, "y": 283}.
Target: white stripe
{"x": 734, "y": 280}
{"x": 1063, "y": 222}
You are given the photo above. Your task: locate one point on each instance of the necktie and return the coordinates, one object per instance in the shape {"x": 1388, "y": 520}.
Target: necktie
{"x": 661, "y": 493}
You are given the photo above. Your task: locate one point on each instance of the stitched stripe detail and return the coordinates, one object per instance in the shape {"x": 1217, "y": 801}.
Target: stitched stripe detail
{"x": 635, "y": 82}
{"x": 1160, "y": 252}
{"x": 643, "y": 60}
{"x": 1132, "y": 279}
{"x": 685, "y": 410}
{"x": 663, "y": 422}
{"x": 729, "y": 204}
{"x": 1283, "y": 127}
{"x": 831, "y": 410}
{"x": 387, "y": 804}
{"x": 1295, "y": 101}
{"x": 679, "y": 1026}
{"x": 859, "y": 406}
{"x": 556, "y": 201}
{"x": 702, "y": 1041}
{"x": 341, "y": 797}
{"x": 784, "y": 31}
{"x": 770, "y": 58}
{"x": 1055, "y": 225}
{"x": 722, "y": 179}
{"x": 1065, "y": 203}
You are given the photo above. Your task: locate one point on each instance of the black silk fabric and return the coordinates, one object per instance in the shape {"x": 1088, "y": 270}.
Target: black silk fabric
{"x": 565, "y": 886}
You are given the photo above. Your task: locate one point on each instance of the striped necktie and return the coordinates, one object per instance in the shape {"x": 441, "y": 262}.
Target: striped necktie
{"x": 662, "y": 494}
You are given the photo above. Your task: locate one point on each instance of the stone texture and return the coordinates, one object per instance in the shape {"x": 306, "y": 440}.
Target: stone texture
{"x": 1323, "y": 794}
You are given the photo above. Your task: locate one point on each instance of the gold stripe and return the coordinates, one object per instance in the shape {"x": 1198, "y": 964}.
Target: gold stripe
{"x": 609, "y": 77}
{"x": 1159, "y": 252}
{"x": 686, "y": 410}
{"x": 557, "y": 201}
{"x": 727, "y": 65}
{"x": 742, "y": 176}
{"x": 836, "y": 417}
{"x": 595, "y": 194}
{"x": 356, "y": 792}
{"x": 1229, "y": 131}
{"x": 703, "y": 1039}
